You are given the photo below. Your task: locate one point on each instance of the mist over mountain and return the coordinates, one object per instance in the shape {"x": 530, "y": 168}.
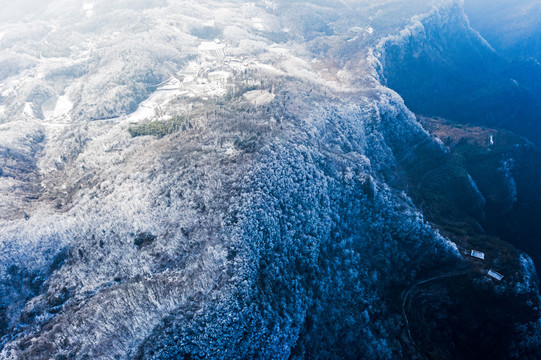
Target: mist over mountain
{"x": 269, "y": 180}
{"x": 450, "y": 69}
{"x": 510, "y": 27}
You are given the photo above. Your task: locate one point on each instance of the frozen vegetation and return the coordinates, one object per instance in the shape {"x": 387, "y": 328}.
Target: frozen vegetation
{"x": 221, "y": 180}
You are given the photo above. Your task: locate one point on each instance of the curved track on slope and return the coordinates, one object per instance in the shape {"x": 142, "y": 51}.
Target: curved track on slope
{"x": 410, "y": 290}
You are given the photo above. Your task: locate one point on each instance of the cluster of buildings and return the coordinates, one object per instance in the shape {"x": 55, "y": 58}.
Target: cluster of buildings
{"x": 491, "y": 273}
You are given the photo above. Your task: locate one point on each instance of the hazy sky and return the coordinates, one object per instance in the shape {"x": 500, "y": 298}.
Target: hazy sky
{"x": 18, "y": 10}
{"x": 505, "y": 23}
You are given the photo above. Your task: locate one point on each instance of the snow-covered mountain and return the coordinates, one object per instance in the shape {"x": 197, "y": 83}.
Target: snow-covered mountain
{"x": 234, "y": 180}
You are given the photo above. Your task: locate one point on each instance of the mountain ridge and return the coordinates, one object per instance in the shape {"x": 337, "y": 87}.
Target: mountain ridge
{"x": 276, "y": 224}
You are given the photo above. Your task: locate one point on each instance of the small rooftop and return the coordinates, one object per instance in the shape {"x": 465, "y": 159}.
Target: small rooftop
{"x": 496, "y": 276}
{"x": 477, "y": 254}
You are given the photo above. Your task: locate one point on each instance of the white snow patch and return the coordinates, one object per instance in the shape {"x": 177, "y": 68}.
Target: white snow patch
{"x": 28, "y": 111}
{"x": 259, "y": 97}
{"x": 63, "y": 106}
{"x": 8, "y": 92}
{"x": 148, "y": 108}
{"x": 156, "y": 105}
{"x": 257, "y": 23}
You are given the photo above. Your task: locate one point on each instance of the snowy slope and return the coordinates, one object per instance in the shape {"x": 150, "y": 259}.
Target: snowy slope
{"x": 274, "y": 222}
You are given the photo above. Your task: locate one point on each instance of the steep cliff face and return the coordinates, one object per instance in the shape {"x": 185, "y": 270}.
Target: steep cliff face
{"x": 441, "y": 66}
{"x": 257, "y": 203}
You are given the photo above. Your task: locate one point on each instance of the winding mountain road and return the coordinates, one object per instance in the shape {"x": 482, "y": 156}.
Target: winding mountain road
{"x": 408, "y": 293}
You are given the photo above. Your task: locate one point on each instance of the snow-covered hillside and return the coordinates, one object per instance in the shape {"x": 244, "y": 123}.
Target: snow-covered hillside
{"x": 223, "y": 180}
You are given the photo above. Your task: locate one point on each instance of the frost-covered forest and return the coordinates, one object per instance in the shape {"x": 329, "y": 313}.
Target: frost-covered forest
{"x": 238, "y": 180}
